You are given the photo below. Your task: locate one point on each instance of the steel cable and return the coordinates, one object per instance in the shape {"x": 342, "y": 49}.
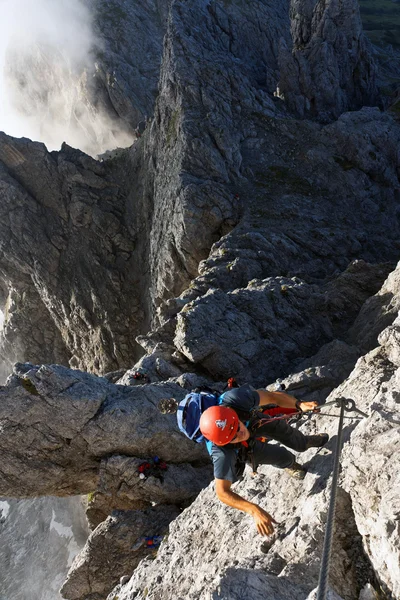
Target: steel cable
{"x": 326, "y": 553}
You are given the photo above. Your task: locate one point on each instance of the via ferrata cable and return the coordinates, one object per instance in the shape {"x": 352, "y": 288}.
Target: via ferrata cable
{"x": 349, "y": 405}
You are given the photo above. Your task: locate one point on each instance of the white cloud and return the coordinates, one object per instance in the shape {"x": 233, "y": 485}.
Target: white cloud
{"x": 45, "y": 71}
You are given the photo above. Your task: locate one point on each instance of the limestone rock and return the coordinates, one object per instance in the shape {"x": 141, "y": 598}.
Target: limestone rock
{"x": 39, "y": 541}
{"x": 331, "y": 595}
{"x": 364, "y": 521}
{"x": 28, "y": 339}
{"x": 268, "y": 323}
{"x": 330, "y": 68}
{"x": 205, "y": 540}
{"x": 292, "y": 224}
{"x": 127, "y": 66}
{"x": 371, "y": 463}
{"x": 276, "y": 196}
{"x": 178, "y": 483}
{"x": 114, "y": 549}
{"x": 368, "y": 593}
{"x": 58, "y": 425}
{"x": 378, "y": 312}
{"x": 253, "y": 227}
{"x": 314, "y": 378}
{"x": 71, "y": 248}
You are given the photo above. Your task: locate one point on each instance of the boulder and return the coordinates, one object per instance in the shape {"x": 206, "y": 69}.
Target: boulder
{"x": 114, "y": 549}
{"x": 58, "y": 425}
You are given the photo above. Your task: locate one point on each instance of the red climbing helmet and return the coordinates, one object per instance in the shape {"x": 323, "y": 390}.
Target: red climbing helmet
{"x": 219, "y": 424}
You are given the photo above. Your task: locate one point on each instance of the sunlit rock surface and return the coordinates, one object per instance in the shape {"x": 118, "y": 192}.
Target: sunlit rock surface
{"x": 214, "y": 551}
{"x": 114, "y": 548}
{"x": 59, "y": 426}
{"x": 232, "y": 238}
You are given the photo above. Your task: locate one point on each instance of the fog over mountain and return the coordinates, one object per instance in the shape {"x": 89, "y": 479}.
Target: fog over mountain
{"x": 251, "y": 230}
{"x": 47, "y": 64}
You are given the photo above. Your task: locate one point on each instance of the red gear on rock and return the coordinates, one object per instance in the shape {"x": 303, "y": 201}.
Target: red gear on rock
{"x": 219, "y": 424}
{"x": 232, "y": 383}
{"x": 144, "y": 467}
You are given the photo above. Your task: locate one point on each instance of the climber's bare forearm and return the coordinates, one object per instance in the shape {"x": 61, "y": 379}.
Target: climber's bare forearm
{"x": 235, "y": 501}
{"x": 262, "y": 519}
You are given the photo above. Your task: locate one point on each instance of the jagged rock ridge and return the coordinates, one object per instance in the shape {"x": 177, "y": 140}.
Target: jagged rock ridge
{"x": 212, "y": 166}
{"x": 232, "y": 237}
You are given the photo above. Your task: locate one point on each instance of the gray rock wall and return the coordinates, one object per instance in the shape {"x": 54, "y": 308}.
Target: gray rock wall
{"x": 104, "y": 245}
{"x": 232, "y": 238}
{"x": 330, "y": 68}
{"x": 200, "y": 560}
{"x": 55, "y": 453}
{"x": 39, "y": 540}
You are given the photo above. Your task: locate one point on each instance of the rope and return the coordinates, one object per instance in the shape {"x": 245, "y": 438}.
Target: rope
{"x": 326, "y": 553}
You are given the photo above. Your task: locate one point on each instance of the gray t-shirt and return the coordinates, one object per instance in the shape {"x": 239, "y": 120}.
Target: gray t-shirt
{"x": 225, "y": 458}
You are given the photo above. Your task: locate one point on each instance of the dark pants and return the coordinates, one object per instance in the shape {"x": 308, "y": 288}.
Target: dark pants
{"x": 264, "y": 453}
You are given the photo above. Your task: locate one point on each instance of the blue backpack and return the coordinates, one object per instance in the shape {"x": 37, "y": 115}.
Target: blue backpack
{"x": 190, "y": 410}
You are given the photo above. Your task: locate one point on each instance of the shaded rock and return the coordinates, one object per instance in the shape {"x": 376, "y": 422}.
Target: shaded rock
{"x": 302, "y": 221}
{"x": 114, "y": 376}
{"x": 71, "y": 248}
{"x": 127, "y": 66}
{"x": 195, "y": 171}
{"x": 320, "y": 374}
{"x": 390, "y": 338}
{"x": 114, "y": 549}
{"x": 29, "y": 333}
{"x": 39, "y": 541}
{"x": 119, "y": 478}
{"x": 331, "y": 595}
{"x": 100, "y": 506}
{"x": 336, "y": 351}
{"x": 368, "y": 593}
{"x": 330, "y": 69}
{"x": 156, "y": 367}
{"x": 378, "y": 312}
{"x": 275, "y": 195}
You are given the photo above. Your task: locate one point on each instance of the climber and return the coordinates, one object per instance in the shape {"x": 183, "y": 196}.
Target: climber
{"x": 232, "y": 443}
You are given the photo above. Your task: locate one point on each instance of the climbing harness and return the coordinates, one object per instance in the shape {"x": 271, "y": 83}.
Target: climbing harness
{"x": 345, "y": 404}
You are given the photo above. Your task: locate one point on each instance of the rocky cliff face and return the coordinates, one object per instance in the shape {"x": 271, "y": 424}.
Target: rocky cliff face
{"x": 39, "y": 540}
{"x": 366, "y": 536}
{"x": 243, "y": 233}
{"x": 329, "y": 70}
